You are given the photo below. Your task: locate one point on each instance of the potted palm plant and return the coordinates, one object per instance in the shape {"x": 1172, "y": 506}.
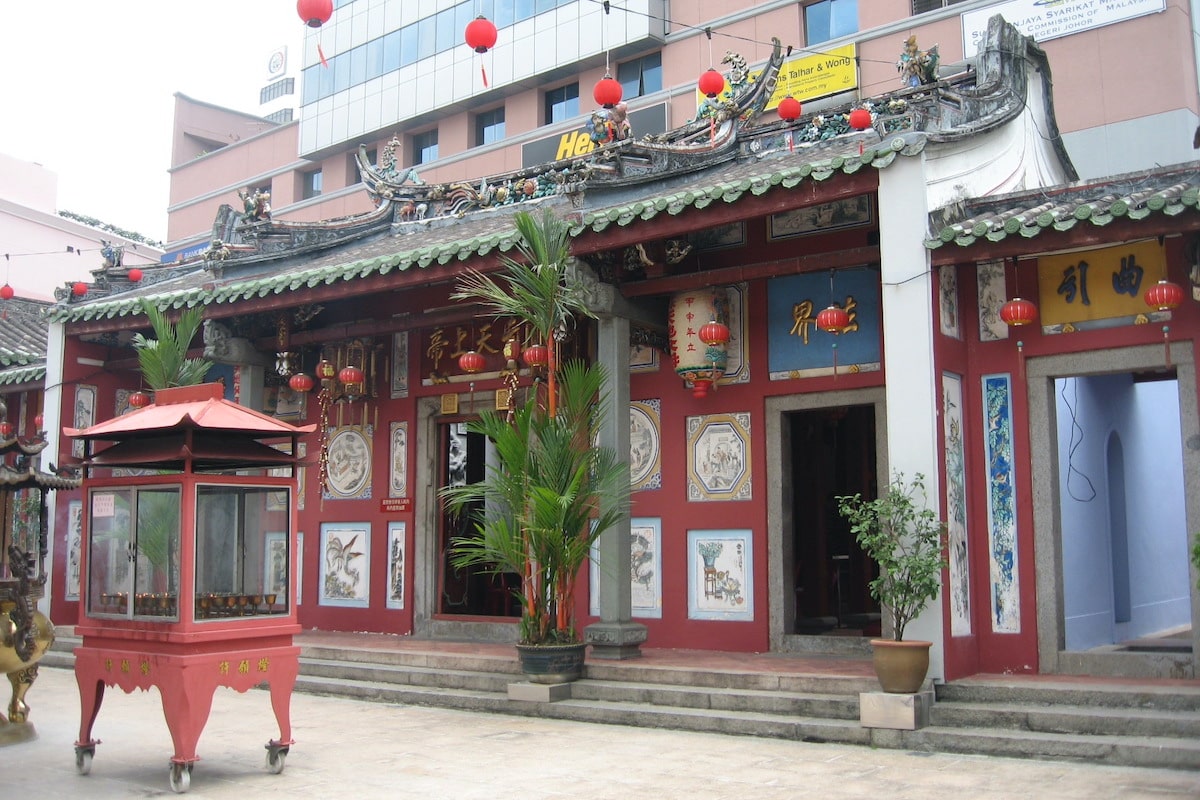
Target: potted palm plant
{"x": 550, "y": 491}
{"x": 907, "y": 539}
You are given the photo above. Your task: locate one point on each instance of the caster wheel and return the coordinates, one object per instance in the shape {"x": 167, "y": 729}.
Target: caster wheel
{"x": 83, "y": 761}
{"x": 181, "y": 778}
{"x": 275, "y": 761}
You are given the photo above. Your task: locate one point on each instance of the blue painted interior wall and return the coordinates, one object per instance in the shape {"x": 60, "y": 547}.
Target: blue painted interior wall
{"x": 1143, "y": 418}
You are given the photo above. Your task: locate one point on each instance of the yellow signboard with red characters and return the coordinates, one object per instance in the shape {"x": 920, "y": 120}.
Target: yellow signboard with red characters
{"x": 809, "y": 77}
{"x": 1103, "y": 284}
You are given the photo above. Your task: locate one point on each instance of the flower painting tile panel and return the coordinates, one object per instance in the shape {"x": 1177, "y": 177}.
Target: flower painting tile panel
{"x": 956, "y": 506}
{"x": 719, "y": 457}
{"x": 645, "y": 444}
{"x": 643, "y": 358}
{"x": 645, "y": 570}
{"x": 400, "y": 364}
{"x": 345, "y": 564}
{"x": 1001, "y": 503}
{"x": 74, "y": 547}
{"x": 275, "y": 565}
{"x": 720, "y": 575}
{"x": 122, "y": 403}
{"x": 948, "y": 301}
{"x": 85, "y": 414}
{"x": 737, "y": 363}
{"x": 992, "y": 295}
{"x": 349, "y": 471}
{"x": 398, "y": 482}
{"x": 395, "y": 572}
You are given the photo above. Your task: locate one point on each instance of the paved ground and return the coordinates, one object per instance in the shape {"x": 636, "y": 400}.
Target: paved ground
{"x": 349, "y": 748}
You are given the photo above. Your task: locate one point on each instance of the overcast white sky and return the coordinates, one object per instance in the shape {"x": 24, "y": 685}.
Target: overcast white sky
{"x": 88, "y": 88}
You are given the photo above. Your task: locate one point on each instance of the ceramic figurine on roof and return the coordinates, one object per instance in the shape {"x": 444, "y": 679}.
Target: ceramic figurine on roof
{"x": 610, "y": 124}
{"x": 917, "y": 67}
{"x": 256, "y": 204}
{"x": 113, "y": 256}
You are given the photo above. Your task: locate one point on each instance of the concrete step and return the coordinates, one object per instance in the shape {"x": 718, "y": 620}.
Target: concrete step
{"x": 1071, "y": 719}
{"x": 1179, "y": 697}
{"x": 728, "y": 721}
{"x": 1115, "y": 750}
{"x": 424, "y": 676}
{"x": 1116, "y": 723}
{"x": 799, "y": 704}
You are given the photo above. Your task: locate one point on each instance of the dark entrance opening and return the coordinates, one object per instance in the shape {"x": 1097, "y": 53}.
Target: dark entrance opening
{"x": 469, "y": 591}
{"x": 833, "y": 454}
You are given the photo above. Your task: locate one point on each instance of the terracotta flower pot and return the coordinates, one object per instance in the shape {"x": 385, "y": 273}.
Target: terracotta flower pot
{"x": 901, "y": 666}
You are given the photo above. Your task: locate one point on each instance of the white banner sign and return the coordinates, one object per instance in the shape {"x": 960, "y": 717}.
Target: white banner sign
{"x": 1050, "y": 19}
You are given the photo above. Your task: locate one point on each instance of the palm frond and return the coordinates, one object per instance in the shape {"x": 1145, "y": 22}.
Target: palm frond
{"x": 163, "y": 360}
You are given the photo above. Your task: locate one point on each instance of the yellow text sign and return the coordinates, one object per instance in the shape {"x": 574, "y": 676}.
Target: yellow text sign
{"x": 1099, "y": 284}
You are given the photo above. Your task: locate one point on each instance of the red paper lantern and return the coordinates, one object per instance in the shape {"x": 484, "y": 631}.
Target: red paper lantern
{"x": 38, "y": 421}
{"x": 608, "y": 91}
{"x": 1164, "y": 296}
{"x": 351, "y": 375}
{"x": 536, "y": 355}
{"x": 79, "y": 289}
{"x": 480, "y": 34}
{"x": 1017, "y": 312}
{"x": 7, "y": 292}
{"x": 139, "y": 400}
{"x": 315, "y": 13}
{"x": 6, "y": 429}
{"x": 789, "y": 109}
{"x": 711, "y": 83}
{"x": 326, "y": 370}
{"x": 833, "y": 319}
{"x": 714, "y": 333}
{"x": 860, "y": 119}
{"x": 471, "y": 361}
{"x": 135, "y": 275}
{"x": 301, "y": 382}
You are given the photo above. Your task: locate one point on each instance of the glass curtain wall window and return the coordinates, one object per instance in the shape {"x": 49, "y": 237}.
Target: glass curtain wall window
{"x": 312, "y": 184}
{"x": 830, "y": 19}
{"x": 921, "y": 6}
{"x": 489, "y": 126}
{"x": 640, "y": 76}
{"x": 423, "y": 38}
{"x": 425, "y": 147}
{"x": 562, "y": 103}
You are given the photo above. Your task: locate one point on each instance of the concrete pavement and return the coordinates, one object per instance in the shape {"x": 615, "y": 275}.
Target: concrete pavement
{"x": 366, "y": 750}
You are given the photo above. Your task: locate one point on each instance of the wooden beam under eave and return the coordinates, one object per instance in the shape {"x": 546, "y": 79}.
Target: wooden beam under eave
{"x": 667, "y": 226}
{"x": 1083, "y": 235}
{"x": 834, "y": 259}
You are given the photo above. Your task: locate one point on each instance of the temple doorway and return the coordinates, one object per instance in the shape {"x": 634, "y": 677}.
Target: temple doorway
{"x": 467, "y": 591}
{"x": 832, "y": 452}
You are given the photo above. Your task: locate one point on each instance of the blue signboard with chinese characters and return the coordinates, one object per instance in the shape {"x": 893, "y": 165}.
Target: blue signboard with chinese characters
{"x": 797, "y": 348}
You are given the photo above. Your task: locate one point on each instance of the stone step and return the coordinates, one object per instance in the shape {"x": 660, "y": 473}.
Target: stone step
{"x": 1179, "y": 697}
{"x": 1117, "y": 723}
{"x": 798, "y": 704}
{"x": 407, "y": 658}
{"x": 633, "y": 672}
{"x": 1059, "y": 718}
{"x": 1115, "y": 750}
{"x": 635, "y": 714}
{"x": 426, "y": 676}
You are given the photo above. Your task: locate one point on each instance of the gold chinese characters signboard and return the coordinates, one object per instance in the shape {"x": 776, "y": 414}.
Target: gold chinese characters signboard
{"x": 1094, "y": 285}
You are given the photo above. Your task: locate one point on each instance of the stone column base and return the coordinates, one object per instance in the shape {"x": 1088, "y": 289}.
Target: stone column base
{"x": 901, "y": 712}
{"x": 616, "y": 641}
